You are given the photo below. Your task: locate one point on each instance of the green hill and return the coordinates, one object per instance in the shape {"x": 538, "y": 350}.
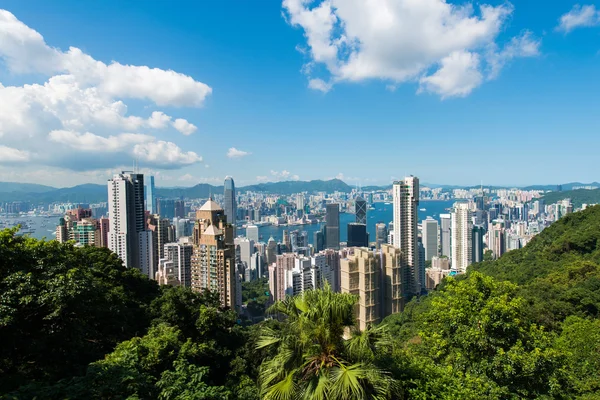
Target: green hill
{"x": 578, "y": 197}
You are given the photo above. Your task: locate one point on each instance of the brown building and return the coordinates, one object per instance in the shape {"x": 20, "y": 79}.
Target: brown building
{"x": 213, "y": 260}
{"x": 360, "y": 275}
{"x": 395, "y": 279}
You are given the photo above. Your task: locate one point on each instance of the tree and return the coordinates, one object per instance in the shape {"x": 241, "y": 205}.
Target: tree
{"x": 313, "y": 359}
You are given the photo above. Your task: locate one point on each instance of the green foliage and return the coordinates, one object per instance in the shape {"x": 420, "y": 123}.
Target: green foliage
{"x": 63, "y": 307}
{"x": 255, "y": 296}
{"x": 312, "y": 358}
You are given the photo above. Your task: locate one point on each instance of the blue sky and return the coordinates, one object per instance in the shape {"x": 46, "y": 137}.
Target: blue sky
{"x": 516, "y": 104}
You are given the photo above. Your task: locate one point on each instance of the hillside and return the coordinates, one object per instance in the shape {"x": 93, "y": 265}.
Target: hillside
{"x": 578, "y": 197}
{"x": 7, "y": 187}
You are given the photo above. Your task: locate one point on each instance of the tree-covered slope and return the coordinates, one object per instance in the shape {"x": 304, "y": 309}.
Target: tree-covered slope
{"x": 578, "y": 197}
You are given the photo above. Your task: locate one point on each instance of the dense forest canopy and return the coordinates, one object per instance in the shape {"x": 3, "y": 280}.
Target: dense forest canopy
{"x": 74, "y": 323}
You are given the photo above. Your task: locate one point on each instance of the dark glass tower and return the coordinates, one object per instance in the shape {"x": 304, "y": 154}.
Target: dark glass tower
{"x": 477, "y": 238}
{"x": 357, "y": 235}
{"x": 230, "y": 206}
{"x": 360, "y": 209}
{"x": 332, "y": 223}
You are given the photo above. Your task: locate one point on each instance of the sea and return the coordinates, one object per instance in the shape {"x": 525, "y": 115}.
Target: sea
{"x": 44, "y": 227}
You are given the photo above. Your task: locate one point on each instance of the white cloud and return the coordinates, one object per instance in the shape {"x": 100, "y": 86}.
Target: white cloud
{"x": 398, "y": 41}
{"x": 184, "y": 126}
{"x": 10, "y": 155}
{"x": 262, "y": 178}
{"x": 164, "y": 154}
{"x": 235, "y": 153}
{"x": 284, "y": 175}
{"x": 83, "y": 95}
{"x": 579, "y": 16}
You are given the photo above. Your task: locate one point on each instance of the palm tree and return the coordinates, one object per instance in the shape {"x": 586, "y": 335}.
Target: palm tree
{"x": 320, "y": 355}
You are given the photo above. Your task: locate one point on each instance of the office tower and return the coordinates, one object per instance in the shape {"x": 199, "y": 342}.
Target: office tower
{"x": 300, "y": 202}
{"x": 244, "y": 249}
{"x": 445, "y": 235}
{"x": 213, "y": 262}
{"x": 406, "y": 200}
{"x": 150, "y": 195}
{"x": 319, "y": 240}
{"x": 357, "y": 235}
{"x": 360, "y": 275}
{"x": 298, "y": 240}
{"x": 496, "y": 238}
{"x": 477, "y": 246}
{"x": 462, "y": 230}
{"x": 395, "y": 278}
{"x": 230, "y": 204}
{"x": 271, "y": 251}
{"x": 176, "y": 267}
{"x": 332, "y": 226}
{"x": 160, "y": 236}
{"x": 166, "y": 208}
{"x": 381, "y": 234}
{"x": 127, "y": 236}
{"x": 360, "y": 210}
{"x": 331, "y": 273}
{"x": 430, "y": 238}
{"x": 256, "y": 266}
{"x": 281, "y": 277}
{"x": 252, "y": 233}
{"x": 286, "y": 241}
{"x": 179, "y": 208}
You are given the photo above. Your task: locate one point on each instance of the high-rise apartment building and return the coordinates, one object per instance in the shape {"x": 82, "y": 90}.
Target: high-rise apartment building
{"x": 496, "y": 238}
{"x": 127, "y": 236}
{"x": 150, "y": 195}
{"x": 395, "y": 279}
{"x": 230, "y": 204}
{"x": 360, "y": 275}
{"x": 176, "y": 267}
{"x": 462, "y": 230}
{"x": 213, "y": 261}
{"x": 445, "y": 235}
{"x": 281, "y": 283}
{"x": 332, "y": 226}
{"x": 430, "y": 238}
{"x": 360, "y": 210}
{"x": 405, "y": 230}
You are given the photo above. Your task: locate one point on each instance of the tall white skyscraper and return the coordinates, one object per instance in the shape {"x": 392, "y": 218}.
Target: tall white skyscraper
{"x": 405, "y": 230}
{"x": 150, "y": 196}
{"x": 252, "y": 233}
{"x": 127, "y": 235}
{"x": 462, "y": 231}
{"x": 430, "y": 238}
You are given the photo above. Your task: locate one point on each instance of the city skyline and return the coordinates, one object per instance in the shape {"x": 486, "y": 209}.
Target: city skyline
{"x": 78, "y": 107}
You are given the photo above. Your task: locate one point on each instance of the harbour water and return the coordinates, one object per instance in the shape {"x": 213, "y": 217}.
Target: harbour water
{"x": 44, "y": 227}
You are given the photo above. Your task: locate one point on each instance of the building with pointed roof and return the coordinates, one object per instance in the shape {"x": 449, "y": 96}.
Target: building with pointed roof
{"x": 213, "y": 260}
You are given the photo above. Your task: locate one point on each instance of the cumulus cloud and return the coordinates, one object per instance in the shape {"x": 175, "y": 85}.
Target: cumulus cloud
{"x": 10, "y": 155}
{"x": 579, "y": 16}
{"x": 235, "y": 153}
{"x": 442, "y": 46}
{"x": 83, "y": 95}
{"x": 184, "y": 126}
{"x": 284, "y": 175}
{"x": 262, "y": 178}
{"x": 164, "y": 154}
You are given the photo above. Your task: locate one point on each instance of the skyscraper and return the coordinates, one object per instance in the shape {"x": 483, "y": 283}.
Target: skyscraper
{"x": 360, "y": 210}
{"x": 150, "y": 196}
{"x": 252, "y": 233}
{"x": 175, "y": 268}
{"x": 127, "y": 236}
{"x": 396, "y": 277}
{"x": 445, "y": 235}
{"x": 230, "y": 205}
{"x": 357, "y": 235}
{"x": 462, "y": 229}
{"x": 405, "y": 231}
{"x": 381, "y": 234}
{"x": 477, "y": 246}
{"x": 332, "y": 223}
{"x": 213, "y": 261}
{"x": 430, "y": 238}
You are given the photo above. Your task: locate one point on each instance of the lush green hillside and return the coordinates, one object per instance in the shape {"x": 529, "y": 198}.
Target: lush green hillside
{"x": 578, "y": 197}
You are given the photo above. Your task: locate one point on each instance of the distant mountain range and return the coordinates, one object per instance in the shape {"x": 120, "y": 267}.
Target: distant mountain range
{"x": 92, "y": 193}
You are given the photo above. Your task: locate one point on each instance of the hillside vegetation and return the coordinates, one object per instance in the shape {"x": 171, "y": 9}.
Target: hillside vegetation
{"x": 75, "y": 324}
{"x": 578, "y": 197}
